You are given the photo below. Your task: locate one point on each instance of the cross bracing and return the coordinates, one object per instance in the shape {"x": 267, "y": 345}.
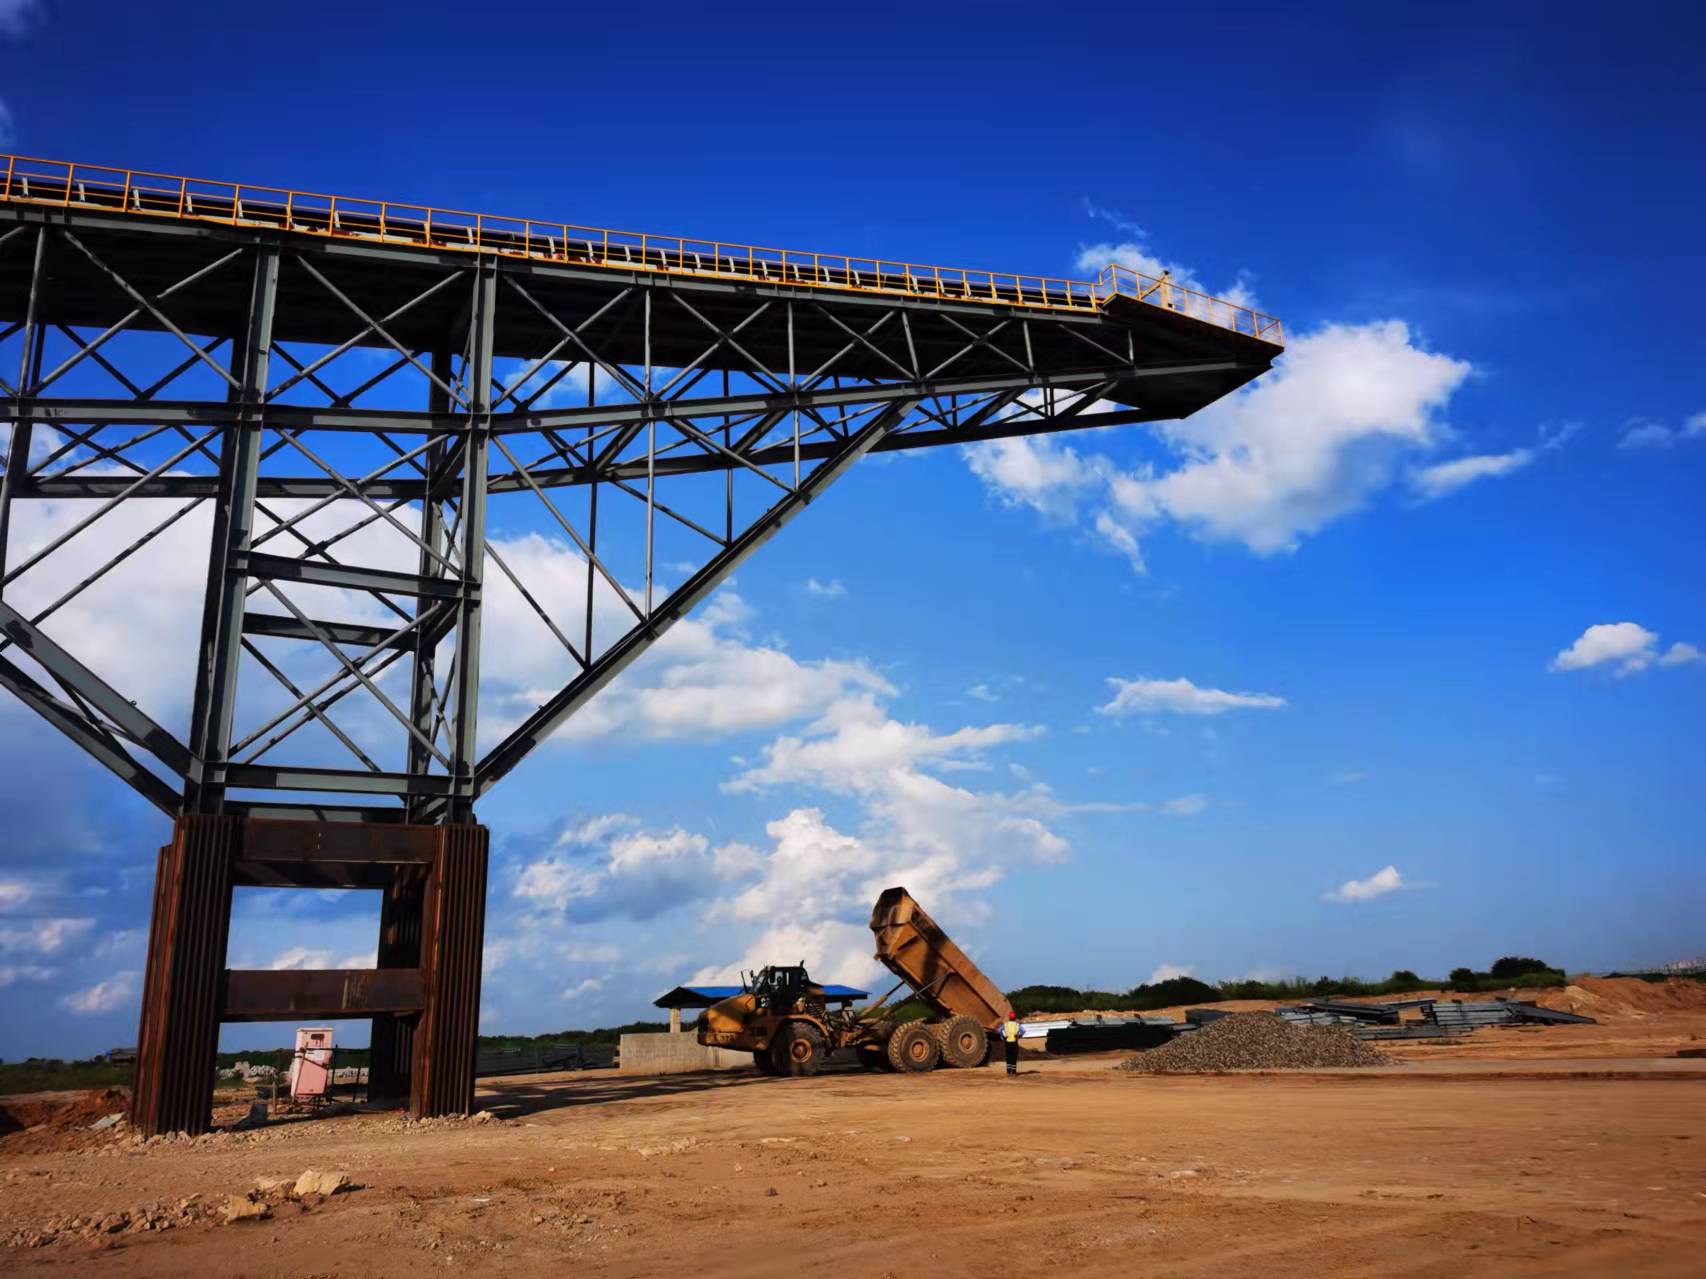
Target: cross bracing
{"x": 382, "y": 459}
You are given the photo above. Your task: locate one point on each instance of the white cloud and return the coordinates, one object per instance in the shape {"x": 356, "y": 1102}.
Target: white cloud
{"x": 588, "y": 986}
{"x": 44, "y": 936}
{"x": 1626, "y": 647}
{"x": 1180, "y": 697}
{"x": 830, "y": 590}
{"x": 1037, "y": 471}
{"x": 1307, "y": 443}
{"x": 17, "y": 16}
{"x": 1113, "y": 217}
{"x": 594, "y": 829}
{"x": 590, "y": 953}
{"x": 1122, "y": 540}
{"x": 599, "y": 870}
{"x": 1680, "y": 654}
{"x": 1644, "y": 433}
{"x": 944, "y": 842}
{"x": 304, "y": 957}
{"x": 104, "y": 996}
{"x": 855, "y": 739}
{"x": 365, "y": 959}
{"x": 811, "y": 872}
{"x": 1347, "y": 777}
{"x": 1184, "y": 806}
{"x": 1444, "y": 478}
{"x": 704, "y": 678}
{"x": 1383, "y": 881}
{"x": 1166, "y": 972}
{"x": 833, "y": 950}
{"x": 983, "y": 693}
{"x": 13, "y": 894}
{"x": 12, "y": 974}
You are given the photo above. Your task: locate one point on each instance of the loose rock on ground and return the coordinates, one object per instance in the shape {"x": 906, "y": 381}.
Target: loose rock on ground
{"x": 1256, "y": 1041}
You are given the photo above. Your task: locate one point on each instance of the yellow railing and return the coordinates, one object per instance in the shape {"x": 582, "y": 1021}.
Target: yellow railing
{"x": 62, "y": 183}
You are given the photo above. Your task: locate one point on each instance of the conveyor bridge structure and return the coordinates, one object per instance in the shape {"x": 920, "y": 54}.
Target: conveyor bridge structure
{"x": 384, "y": 463}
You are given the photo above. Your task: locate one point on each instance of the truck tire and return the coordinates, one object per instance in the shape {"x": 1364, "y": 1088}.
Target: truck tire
{"x": 798, "y": 1050}
{"x": 964, "y": 1042}
{"x": 913, "y": 1049}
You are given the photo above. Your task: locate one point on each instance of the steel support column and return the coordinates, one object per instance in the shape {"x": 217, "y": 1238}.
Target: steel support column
{"x": 471, "y": 510}
{"x": 392, "y": 1045}
{"x": 183, "y": 993}
{"x": 29, "y": 373}
{"x": 453, "y": 936}
{"x": 434, "y": 883}
{"x": 221, "y": 645}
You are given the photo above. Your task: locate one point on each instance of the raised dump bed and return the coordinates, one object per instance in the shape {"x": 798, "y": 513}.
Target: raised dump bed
{"x": 914, "y": 948}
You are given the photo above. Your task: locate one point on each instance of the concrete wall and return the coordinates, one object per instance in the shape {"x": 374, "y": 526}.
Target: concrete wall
{"x": 662, "y": 1054}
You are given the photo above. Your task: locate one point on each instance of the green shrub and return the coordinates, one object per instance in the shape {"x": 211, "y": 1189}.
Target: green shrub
{"x": 1518, "y": 966}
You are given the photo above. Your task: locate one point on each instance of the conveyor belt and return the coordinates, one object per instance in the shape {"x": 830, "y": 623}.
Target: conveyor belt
{"x": 64, "y": 184}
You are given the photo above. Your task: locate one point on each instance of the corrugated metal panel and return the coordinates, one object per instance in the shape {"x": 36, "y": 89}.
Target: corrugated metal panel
{"x": 1312, "y": 1017}
{"x": 1455, "y": 1012}
{"x": 393, "y": 1042}
{"x": 1411, "y": 1032}
{"x": 454, "y": 932}
{"x": 183, "y": 994}
{"x": 1522, "y": 1010}
{"x": 1354, "y": 1011}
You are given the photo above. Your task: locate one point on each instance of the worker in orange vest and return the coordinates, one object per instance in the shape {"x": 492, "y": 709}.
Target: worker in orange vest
{"x": 1010, "y": 1041}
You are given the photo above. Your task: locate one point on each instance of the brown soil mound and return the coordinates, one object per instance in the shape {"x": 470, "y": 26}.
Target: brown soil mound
{"x": 1256, "y": 1041}
{"x": 42, "y": 1120}
{"x": 1614, "y": 998}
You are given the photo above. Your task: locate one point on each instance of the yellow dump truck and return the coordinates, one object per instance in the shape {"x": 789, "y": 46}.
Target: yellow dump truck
{"x": 782, "y": 1017}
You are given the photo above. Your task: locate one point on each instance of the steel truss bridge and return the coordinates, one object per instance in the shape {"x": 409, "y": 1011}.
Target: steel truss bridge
{"x": 377, "y": 438}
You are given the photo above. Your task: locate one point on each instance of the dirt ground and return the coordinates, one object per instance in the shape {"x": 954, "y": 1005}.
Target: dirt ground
{"x": 1509, "y": 1159}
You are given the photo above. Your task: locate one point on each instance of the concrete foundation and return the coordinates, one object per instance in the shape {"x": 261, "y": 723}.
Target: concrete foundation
{"x": 663, "y": 1054}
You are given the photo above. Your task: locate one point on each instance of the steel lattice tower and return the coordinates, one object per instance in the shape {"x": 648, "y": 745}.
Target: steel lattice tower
{"x": 349, "y": 396}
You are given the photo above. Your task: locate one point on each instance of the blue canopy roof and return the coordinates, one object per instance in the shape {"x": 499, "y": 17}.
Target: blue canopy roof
{"x": 705, "y": 996}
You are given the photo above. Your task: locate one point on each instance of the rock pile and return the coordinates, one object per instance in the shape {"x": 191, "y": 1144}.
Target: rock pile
{"x": 311, "y": 1188}
{"x": 98, "y": 1227}
{"x": 1256, "y": 1041}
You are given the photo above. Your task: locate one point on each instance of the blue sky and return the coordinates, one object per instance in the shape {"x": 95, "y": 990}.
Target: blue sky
{"x": 1424, "y": 598}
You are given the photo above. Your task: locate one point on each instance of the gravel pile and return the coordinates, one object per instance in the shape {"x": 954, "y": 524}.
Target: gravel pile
{"x": 1256, "y": 1041}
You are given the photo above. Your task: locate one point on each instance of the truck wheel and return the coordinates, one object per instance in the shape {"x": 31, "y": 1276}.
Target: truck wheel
{"x": 798, "y": 1050}
{"x": 913, "y": 1049}
{"x": 761, "y": 1059}
{"x": 964, "y": 1042}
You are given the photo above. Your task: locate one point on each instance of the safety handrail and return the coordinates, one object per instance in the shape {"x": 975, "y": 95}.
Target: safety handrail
{"x": 66, "y": 184}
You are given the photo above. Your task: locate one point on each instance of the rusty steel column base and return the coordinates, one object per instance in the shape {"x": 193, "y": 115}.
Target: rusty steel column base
{"x": 423, "y": 997}
{"x": 184, "y": 988}
{"x": 392, "y": 1047}
{"x": 453, "y": 936}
